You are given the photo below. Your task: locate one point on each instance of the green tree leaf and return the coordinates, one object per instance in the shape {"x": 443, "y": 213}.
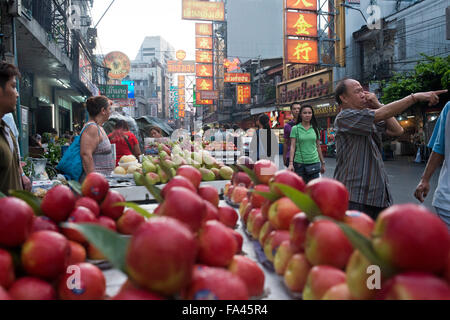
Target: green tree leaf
{"x": 303, "y": 201}
{"x": 136, "y": 208}
{"x": 154, "y": 191}
{"x": 76, "y": 186}
{"x": 111, "y": 244}
{"x": 268, "y": 195}
{"x": 33, "y": 201}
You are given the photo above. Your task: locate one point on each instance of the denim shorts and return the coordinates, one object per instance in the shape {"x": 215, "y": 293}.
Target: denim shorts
{"x": 444, "y": 215}
{"x": 299, "y": 169}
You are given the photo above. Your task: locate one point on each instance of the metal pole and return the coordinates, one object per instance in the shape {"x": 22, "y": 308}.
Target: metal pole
{"x": 18, "y": 106}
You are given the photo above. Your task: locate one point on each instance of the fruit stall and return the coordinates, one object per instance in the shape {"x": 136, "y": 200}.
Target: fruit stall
{"x": 271, "y": 237}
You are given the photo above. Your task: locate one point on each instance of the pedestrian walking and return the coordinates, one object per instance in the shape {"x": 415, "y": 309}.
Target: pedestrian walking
{"x": 12, "y": 176}
{"x": 359, "y": 127}
{"x": 295, "y": 111}
{"x": 125, "y": 141}
{"x": 95, "y": 147}
{"x": 306, "y": 157}
{"x": 440, "y": 144}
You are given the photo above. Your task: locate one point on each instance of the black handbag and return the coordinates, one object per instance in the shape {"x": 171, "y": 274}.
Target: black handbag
{"x": 312, "y": 169}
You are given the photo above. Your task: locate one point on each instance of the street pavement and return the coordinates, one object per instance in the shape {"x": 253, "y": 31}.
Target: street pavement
{"x": 404, "y": 175}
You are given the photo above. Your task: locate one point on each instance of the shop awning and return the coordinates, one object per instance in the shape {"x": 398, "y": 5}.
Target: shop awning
{"x": 262, "y": 110}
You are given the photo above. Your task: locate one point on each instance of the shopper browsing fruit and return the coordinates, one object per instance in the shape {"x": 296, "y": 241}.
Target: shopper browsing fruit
{"x": 11, "y": 173}
{"x": 125, "y": 141}
{"x": 306, "y": 157}
{"x": 95, "y": 148}
{"x": 295, "y": 111}
{"x": 359, "y": 127}
{"x": 441, "y": 152}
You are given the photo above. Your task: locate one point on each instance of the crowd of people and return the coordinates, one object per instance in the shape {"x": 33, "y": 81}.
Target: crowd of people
{"x": 359, "y": 127}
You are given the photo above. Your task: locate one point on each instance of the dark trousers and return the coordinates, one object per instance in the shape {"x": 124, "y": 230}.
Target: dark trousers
{"x": 299, "y": 169}
{"x": 371, "y": 211}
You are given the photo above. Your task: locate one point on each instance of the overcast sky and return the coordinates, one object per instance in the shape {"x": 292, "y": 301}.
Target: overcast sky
{"x": 128, "y": 22}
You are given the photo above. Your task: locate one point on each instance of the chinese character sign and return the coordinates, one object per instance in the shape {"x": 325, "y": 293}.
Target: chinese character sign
{"x": 181, "y": 96}
{"x": 302, "y": 51}
{"x": 204, "y": 84}
{"x": 202, "y": 56}
{"x": 204, "y": 70}
{"x": 203, "y": 29}
{"x": 243, "y": 93}
{"x": 301, "y": 24}
{"x": 302, "y": 4}
{"x": 203, "y": 43}
{"x": 203, "y": 10}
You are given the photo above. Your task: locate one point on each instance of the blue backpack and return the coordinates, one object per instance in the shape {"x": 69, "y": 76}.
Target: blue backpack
{"x": 71, "y": 164}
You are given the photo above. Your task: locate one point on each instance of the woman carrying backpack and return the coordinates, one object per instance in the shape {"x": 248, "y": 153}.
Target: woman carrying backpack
{"x": 306, "y": 157}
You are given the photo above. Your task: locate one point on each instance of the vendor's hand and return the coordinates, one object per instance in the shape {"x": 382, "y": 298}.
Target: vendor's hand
{"x": 422, "y": 190}
{"x": 26, "y": 183}
{"x": 291, "y": 167}
{"x": 372, "y": 100}
{"x": 432, "y": 97}
{"x": 322, "y": 168}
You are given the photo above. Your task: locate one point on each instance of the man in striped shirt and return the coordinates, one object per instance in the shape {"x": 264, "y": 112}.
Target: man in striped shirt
{"x": 359, "y": 128}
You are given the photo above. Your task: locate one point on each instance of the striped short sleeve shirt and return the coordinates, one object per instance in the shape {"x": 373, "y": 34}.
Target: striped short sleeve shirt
{"x": 359, "y": 163}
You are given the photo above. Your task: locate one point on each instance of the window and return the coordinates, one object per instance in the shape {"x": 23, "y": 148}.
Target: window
{"x": 148, "y": 54}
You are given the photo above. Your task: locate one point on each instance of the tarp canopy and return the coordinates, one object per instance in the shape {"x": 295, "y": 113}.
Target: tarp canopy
{"x": 146, "y": 122}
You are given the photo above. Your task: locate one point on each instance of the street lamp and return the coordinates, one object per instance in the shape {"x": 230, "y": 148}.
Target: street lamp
{"x": 350, "y": 7}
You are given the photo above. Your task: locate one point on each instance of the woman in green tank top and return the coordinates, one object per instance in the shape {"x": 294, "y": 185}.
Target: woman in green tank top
{"x": 306, "y": 157}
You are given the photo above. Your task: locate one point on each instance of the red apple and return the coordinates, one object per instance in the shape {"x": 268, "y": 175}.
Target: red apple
{"x": 217, "y": 244}
{"x": 359, "y": 221}
{"x": 245, "y": 161}
{"x": 257, "y": 224}
{"x": 241, "y": 179}
{"x": 77, "y": 253}
{"x": 415, "y": 286}
{"x": 288, "y": 178}
{"x": 243, "y": 206}
{"x": 265, "y": 208}
{"x": 239, "y": 193}
{"x": 250, "y": 218}
{"x": 330, "y": 195}
{"x": 89, "y": 203}
{"x": 191, "y": 173}
{"x": 282, "y": 256}
{"x": 4, "y": 295}
{"x": 326, "y": 244}
{"x": 247, "y": 213}
{"x": 43, "y": 223}
{"x": 58, "y": 203}
{"x": 281, "y": 213}
{"x": 95, "y": 186}
{"x": 16, "y": 220}
{"x": 273, "y": 241}
{"x": 7, "y": 275}
{"x": 93, "y": 253}
{"x": 228, "y": 216}
{"x": 210, "y": 194}
{"x": 256, "y": 199}
{"x": 296, "y": 272}
{"x": 79, "y": 215}
{"x": 249, "y": 272}
{"x": 211, "y": 283}
{"x": 29, "y": 288}
{"x": 265, "y": 170}
{"x": 178, "y": 181}
{"x": 338, "y": 292}
{"x": 45, "y": 254}
{"x": 129, "y": 222}
{"x": 107, "y": 222}
{"x": 320, "y": 280}
{"x": 211, "y": 212}
{"x": 185, "y": 206}
{"x": 297, "y": 229}
{"x": 136, "y": 294}
{"x": 82, "y": 281}
{"x": 447, "y": 269}
{"x": 161, "y": 255}
{"x": 107, "y": 207}
{"x": 410, "y": 237}
{"x": 264, "y": 232}
{"x": 239, "y": 240}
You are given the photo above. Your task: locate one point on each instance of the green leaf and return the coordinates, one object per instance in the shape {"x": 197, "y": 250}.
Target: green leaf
{"x": 33, "y": 201}
{"x": 2, "y": 195}
{"x": 301, "y": 200}
{"x": 111, "y": 244}
{"x": 154, "y": 191}
{"x": 268, "y": 195}
{"x": 250, "y": 173}
{"x": 364, "y": 246}
{"x": 76, "y": 186}
{"x": 136, "y": 208}
{"x": 234, "y": 167}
